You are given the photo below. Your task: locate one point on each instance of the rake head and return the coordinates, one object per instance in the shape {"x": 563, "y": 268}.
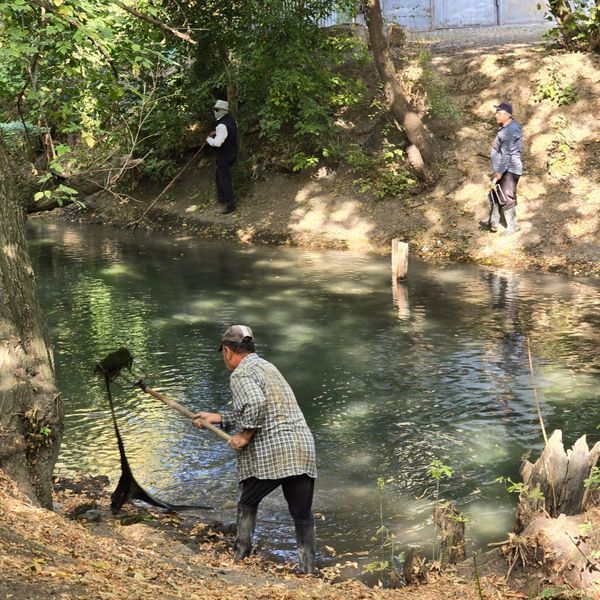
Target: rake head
{"x": 112, "y": 365}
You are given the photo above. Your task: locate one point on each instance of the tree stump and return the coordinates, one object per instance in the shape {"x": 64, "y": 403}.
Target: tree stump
{"x": 559, "y": 476}
{"x": 452, "y": 526}
{"x": 413, "y": 568}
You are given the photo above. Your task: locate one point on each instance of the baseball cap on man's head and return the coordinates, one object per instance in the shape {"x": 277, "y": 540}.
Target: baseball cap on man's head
{"x": 506, "y": 106}
{"x": 237, "y": 334}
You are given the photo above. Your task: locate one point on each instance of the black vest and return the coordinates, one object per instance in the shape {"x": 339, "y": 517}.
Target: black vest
{"x": 228, "y": 150}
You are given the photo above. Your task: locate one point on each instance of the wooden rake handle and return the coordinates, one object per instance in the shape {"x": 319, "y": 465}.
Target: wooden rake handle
{"x": 184, "y": 411}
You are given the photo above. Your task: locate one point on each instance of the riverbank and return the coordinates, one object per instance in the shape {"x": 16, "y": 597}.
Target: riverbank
{"x": 82, "y": 551}
{"x": 556, "y": 96}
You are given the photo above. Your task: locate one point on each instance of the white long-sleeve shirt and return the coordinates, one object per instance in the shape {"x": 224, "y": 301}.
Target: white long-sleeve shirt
{"x": 219, "y": 137}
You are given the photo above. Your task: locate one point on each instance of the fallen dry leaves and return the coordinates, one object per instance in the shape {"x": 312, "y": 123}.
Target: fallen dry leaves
{"x": 44, "y": 554}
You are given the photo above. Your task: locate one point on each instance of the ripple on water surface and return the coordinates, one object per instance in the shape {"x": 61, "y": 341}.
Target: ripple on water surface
{"x": 389, "y": 379}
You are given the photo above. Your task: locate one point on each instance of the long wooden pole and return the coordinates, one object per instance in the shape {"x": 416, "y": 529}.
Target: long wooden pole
{"x": 187, "y": 164}
{"x": 185, "y": 412}
{"x": 535, "y": 394}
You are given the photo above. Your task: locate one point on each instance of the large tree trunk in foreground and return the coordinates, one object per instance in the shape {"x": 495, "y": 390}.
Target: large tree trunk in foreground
{"x": 559, "y": 476}
{"x": 30, "y": 409}
{"x": 421, "y": 152}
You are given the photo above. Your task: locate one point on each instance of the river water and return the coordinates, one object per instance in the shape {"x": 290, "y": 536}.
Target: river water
{"x": 388, "y": 379}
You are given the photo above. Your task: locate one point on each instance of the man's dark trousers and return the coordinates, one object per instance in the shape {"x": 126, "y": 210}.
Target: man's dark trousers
{"x": 298, "y": 491}
{"x": 223, "y": 178}
{"x": 503, "y": 200}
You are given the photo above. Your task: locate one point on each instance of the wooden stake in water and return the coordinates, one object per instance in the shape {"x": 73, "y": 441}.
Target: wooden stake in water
{"x": 399, "y": 259}
{"x": 535, "y": 394}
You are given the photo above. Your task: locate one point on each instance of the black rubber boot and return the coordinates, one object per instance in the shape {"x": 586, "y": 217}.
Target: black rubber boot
{"x": 511, "y": 221}
{"x": 494, "y": 216}
{"x": 306, "y": 538}
{"x": 246, "y": 522}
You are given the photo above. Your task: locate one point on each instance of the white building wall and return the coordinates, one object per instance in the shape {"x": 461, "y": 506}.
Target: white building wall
{"x": 412, "y": 14}
{"x": 425, "y": 15}
{"x": 521, "y": 11}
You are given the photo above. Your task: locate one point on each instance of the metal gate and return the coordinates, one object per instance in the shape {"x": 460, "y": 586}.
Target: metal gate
{"x": 464, "y": 13}
{"x": 520, "y": 11}
{"x": 423, "y": 15}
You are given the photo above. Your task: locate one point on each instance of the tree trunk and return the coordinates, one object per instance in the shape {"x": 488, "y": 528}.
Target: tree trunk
{"x": 421, "y": 152}
{"x": 30, "y": 407}
{"x": 559, "y": 476}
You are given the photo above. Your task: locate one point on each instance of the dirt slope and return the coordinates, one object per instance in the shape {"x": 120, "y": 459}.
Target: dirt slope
{"x": 559, "y": 202}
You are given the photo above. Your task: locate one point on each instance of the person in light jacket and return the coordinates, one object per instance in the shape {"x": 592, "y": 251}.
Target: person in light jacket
{"x": 507, "y": 167}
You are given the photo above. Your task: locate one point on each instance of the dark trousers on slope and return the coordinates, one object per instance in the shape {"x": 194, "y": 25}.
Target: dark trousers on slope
{"x": 504, "y": 200}
{"x": 224, "y": 185}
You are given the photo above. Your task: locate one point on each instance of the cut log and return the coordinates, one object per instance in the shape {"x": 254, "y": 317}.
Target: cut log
{"x": 559, "y": 476}
{"x": 413, "y": 567}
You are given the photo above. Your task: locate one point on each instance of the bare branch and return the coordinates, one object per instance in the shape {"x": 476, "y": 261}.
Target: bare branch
{"x": 155, "y": 22}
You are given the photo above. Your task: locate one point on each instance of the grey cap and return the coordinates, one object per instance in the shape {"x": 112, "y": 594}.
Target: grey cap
{"x": 237, "y": 334}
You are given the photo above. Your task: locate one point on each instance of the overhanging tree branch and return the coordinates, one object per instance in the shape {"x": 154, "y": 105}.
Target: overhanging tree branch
{"x": 155, "y": 22}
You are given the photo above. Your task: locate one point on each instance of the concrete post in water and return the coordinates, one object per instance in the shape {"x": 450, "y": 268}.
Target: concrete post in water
{"x": 399, "y": 259}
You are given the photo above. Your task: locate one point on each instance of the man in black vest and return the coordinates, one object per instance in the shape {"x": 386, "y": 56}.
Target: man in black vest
{"x": 224, "y": 139}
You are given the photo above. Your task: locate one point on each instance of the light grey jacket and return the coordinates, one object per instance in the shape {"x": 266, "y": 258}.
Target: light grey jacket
{"x": 507, "y": 148}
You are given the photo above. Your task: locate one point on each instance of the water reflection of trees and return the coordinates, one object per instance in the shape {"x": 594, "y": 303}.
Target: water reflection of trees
{"x": 384, "y": 394}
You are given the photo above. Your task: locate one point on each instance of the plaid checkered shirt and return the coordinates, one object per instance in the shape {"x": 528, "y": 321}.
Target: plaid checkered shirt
{"x": 282, "y": 444}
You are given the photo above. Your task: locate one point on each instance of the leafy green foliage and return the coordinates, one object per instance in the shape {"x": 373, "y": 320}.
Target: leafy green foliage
{"x": 384, "y": 174}
{"x": 61, "y": 193}
{"x": 577, "y": 23}
{"x": 521, "y": 489}
{"x": 390, "y": 565}
{"x": 159, "y": 169}
{"x": 19, "y": 138}
{"x": 561, "y": 160}
{"x": 585, "y": 528}
{"x": 552, "y": 86}
{"x": 93, "y": 75}
{"x": 438, "y": 470}
{"x": 76, "y": 68}
{"x": 593, "y": 481}
{"x": 286, "y": 73}
{"x": 436, "y": 97}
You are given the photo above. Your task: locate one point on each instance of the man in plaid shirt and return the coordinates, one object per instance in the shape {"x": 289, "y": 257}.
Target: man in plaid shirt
{"x": 273, "y": 443}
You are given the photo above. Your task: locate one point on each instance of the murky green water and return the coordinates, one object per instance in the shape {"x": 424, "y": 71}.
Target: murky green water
{"x": 387, "y": 381}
